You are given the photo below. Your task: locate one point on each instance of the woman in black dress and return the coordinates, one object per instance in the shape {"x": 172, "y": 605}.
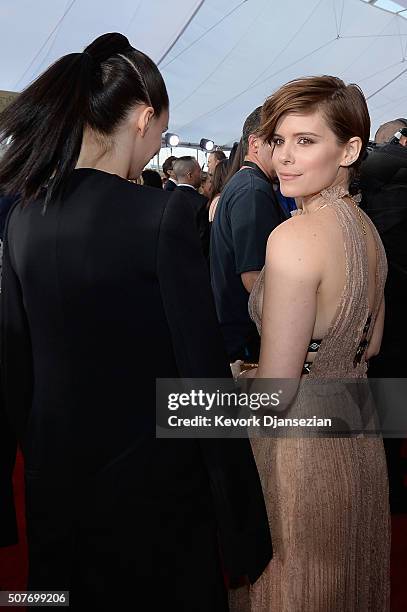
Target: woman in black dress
{"x": 104, "y": 290}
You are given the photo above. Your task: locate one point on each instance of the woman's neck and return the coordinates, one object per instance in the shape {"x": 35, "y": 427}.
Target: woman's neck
{"x": 311, "y": 202}
{"x": 99, "y": 155}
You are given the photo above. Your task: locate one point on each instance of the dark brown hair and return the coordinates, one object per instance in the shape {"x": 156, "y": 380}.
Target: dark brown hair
{"x": 343, "y": 106}
{"x": 219, "y": 177}
{"x": 167, "y": 165}
{"x": 218, "y": 154}
{"x": 45, "y": 122}
{"x": 250, "y": 126}
{"x": 236, "y": 162}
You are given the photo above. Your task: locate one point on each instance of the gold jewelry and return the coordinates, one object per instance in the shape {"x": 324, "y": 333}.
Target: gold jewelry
{"x": 299, "y": 211}
{"x": 360, "y": 215}
{"x": 319, "y": 207}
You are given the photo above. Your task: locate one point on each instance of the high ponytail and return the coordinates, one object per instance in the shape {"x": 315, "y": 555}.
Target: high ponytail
{"x": 45, "y": 126}
{"x": 45, "y": 123}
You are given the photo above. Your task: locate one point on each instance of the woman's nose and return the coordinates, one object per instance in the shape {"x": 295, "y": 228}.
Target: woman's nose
{"x": 286, "y": 154}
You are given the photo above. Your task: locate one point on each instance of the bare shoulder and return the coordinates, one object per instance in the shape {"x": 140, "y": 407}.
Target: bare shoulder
{"x": 294, "y": 249}
{"x": 294, "y": 235}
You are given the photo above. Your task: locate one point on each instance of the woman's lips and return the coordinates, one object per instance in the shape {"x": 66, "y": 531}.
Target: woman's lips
{"x": 288, "y": 177}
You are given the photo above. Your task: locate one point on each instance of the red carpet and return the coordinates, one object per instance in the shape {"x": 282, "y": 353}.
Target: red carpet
{"x": 13, "y": 559}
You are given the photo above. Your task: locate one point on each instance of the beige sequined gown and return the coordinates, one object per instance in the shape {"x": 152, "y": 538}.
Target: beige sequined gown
{"x": 327, "y": 498}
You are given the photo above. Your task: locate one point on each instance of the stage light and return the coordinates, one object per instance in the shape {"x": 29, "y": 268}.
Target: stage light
{"x": 171, "y": 140}
{"x": 207, "y": 145}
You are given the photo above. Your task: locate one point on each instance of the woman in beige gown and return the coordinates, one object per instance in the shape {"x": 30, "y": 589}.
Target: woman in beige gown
{"x": 327, "y": 497}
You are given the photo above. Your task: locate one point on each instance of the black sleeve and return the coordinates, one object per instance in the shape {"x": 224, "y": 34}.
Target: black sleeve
{"x": 16, "y": 380}
{"x": 253, "y": 216}
{"x": 187, "y": 296}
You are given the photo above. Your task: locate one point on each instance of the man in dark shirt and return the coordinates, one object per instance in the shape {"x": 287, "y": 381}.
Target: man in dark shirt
{"x": 247, "y": 213}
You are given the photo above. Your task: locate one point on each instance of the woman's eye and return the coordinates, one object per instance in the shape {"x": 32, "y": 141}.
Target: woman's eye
{"x": 304, "y": 140}
{"x": 277, "y": 141}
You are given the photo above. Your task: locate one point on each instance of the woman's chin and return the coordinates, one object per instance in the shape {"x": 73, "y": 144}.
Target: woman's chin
{"x": 289, "y": 191}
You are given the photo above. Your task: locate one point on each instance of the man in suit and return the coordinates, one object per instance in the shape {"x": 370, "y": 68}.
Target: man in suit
{"x": 170, "y": 183}
{"x": 188, "y": 175}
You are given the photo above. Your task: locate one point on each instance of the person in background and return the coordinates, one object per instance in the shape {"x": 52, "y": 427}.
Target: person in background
{"x": 247, "y": 212}
{"x": 205, "y": 187}
{"x": 188, "y": 174}
{"x": 236, "y": 160}
{"x": 218, "y": 183}
{"x": 233, "y": 152}
{"x": 151, "y": 178}
{"x": 104, "y": 291}
{"x": 386, "y": 133}
{"x": 383, "y": 182}
{"x": 170, "y": 183}
{"x": 213, "y": 159}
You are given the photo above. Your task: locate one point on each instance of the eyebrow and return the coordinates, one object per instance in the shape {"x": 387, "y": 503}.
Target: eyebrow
{"x": 301, "y": 134}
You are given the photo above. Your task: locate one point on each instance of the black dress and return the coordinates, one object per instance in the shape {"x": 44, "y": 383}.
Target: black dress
{"x": 102, "y": 294}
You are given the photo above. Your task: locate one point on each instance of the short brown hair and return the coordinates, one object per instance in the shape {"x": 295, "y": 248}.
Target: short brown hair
{"x": 250, "y": 126}
{"x": 343, "y": 106}
{"x": 168, "y": 164}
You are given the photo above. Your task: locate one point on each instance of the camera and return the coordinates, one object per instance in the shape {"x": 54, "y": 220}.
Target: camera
{"x": 398, "y": 135}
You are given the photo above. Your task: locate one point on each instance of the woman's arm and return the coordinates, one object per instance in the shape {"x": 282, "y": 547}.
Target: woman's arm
{"x": 292, "y": 277}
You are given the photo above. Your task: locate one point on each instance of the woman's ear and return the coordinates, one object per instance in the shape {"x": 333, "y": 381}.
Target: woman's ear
{"x": 142, "y": 119}
{"x": 352, "y": 151}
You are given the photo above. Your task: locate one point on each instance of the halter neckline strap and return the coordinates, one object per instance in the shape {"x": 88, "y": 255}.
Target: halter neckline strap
{"x": 334, "y": 193}
{"x": 338, "y": 192}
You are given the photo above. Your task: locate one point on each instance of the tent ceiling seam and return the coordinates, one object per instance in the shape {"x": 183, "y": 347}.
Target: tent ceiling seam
{"x": 227, "y": 102}
{"x": 45, "y": 43}
{"x": 400, "y": 39}
{"x": 379, "y": 71}
{"x": 340, "y": 21}
{"x": 368, "y": 47}
{"x": 336, "y": 17}
{"x": 223, "y": 60}
{"x": 386, "y": 84}
{"x": 181, "y": 32}
{"x": 212, "y": 27}
{"x": 308, "y": 18}
{"x": 133, "y": 17}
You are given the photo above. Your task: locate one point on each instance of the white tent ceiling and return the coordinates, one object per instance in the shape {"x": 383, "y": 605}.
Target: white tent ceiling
{"x": 222, "y": 58}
